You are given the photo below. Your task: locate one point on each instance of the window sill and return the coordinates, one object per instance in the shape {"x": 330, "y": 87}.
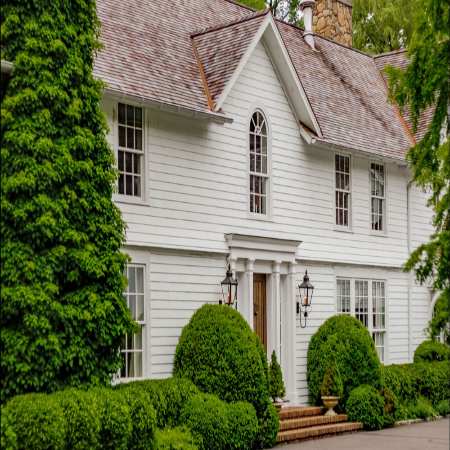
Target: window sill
{"x": 343, "y": 229}
{"x": 378, "y": 233}
{"x": 128, "y": 199}
{"x": 261, "y": 217}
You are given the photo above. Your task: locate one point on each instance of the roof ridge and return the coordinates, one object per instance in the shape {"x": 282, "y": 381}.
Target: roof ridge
{"x": 392, "y": 52}
{"x": 221, "y": 26}
{"x": 325, "y": 38}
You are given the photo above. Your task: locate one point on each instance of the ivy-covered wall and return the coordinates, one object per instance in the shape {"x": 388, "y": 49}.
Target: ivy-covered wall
{"x": 62, "y": 310}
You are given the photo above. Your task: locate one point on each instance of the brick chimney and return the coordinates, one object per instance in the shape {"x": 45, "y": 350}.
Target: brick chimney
{"x": 333, "y": 19}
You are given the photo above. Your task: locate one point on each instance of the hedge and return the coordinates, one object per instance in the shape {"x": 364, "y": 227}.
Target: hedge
{"x": 409, "y": 381}
{"x": 366, "y": 405}
{"x": 75, "y": 419}
{"x": 345, "y": 341}
{"x": 430, "y": 351}
{"x": 178, "y": 438}
{"x": 33, "y": 421}
{"x": 218, "y": 425}
{"x": 167, "y": 397}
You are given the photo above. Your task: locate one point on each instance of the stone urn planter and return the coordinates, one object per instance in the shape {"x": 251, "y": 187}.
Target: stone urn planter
{"x": 330, "y": 402}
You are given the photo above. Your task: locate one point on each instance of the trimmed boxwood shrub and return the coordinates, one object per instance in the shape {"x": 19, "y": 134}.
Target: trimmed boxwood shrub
{"x": 143, "y": 419}
{"x": 366, "y": 405}
{"x": 269, "y": 424}
{"x": 344, "y": 340}
{"x": 167, "y": 397}
{"x": 391, "y": 406}
{"x": 219, "y": 352}
{"x": 206, "y": 416}
{"x": 443, "y": 407}
{"x": 242, "y": 425}
{"x": 409, "y": 381}
{"x": 34, "y": 421}
{"x": 429, "y": 351}
{"x": 115, "y": 419}
{"x": 8, "y": 435}
{"x": 177, "y": 438}
{"x": 82, "y": 413}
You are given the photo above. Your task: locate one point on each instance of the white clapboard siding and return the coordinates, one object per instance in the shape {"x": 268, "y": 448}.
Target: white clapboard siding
{"x": 196, "y": 191}
{"x": 197, "y": 183}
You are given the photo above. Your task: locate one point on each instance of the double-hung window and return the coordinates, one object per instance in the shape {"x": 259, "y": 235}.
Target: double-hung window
{"x": 342, "y": 190}
{"x": 130, "y": 153}
{"x": 377, "y": 192}
{"x": 259, "y": 171}
{"x": 132, "y": 349}
{"x": 365, "y": 300}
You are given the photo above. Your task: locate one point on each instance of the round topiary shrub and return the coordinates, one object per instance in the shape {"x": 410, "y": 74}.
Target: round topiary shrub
{"x": 33, "y": 421}
{"x": 366, "y": 405}
{"x": 242, "y": 425}
{"x": 219, "y": 352}
{"x": 344, "y": 340}
{"x": 429, "y": 351}
{"x": 206, "y": 416}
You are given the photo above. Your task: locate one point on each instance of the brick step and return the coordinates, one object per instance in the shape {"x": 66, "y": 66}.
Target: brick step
{"x": 295, "y": 412}
{"x": 317, "y": 431}
{"x": 302, "y": 422}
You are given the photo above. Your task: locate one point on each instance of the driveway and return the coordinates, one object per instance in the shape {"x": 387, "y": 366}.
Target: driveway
{"x": 420, "y": 436}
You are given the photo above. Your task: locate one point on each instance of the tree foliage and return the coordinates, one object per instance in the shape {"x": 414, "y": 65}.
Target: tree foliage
{"x": 383, "y": 25}
{"x": 62, "y": 310}
{"x": 426, "y": 84}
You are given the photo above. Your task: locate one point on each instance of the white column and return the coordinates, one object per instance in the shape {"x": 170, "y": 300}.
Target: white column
{"x": 276, "y": 298}
{"x": 289, "y": 346}
{"x": 249, "y": 269}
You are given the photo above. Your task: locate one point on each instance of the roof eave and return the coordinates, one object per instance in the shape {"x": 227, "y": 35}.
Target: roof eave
{"x": 170, "y": 108}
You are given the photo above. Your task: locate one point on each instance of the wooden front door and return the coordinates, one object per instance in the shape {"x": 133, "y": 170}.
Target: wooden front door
{"x": 260, "y": 307}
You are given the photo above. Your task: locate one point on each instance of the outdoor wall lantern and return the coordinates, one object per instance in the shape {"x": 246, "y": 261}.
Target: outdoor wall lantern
{"x": 229, "y": 289}
{"x": 306, "y": 290}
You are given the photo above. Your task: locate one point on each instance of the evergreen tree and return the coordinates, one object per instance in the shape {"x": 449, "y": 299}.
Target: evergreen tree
{"x": 62, "y": 311}
{"x": 426, "y": 84}
{"x": 276, "y": 384}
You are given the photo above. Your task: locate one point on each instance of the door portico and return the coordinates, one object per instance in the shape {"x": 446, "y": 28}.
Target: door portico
{"x": 253, "y": 258}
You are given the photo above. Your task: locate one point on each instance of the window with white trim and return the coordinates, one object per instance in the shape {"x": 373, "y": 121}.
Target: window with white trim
{"x": 343, "y": 190}
{"x": 365, "y": 300}
{"x": 377, "y": 192}
{"x": 132, "y": 349}
{"x": 130, "y": 153}
{"x": 259, "y": 171}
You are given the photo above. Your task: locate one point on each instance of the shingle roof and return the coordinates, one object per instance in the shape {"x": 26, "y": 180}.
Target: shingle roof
{"x": 166, "y": 51}
{"x": 221, "y": 48}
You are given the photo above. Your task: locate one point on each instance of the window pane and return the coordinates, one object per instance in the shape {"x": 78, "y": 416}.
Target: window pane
{"x": 121, "y": 113}
{"x": 130, "y": 138}
{"x": 138, "y": 139}
{"x": 137, "y": 186}
{"x": 131, "y": 279}
{"x": 343, "y": 296}
{"x": 130, "y": 115}
{"x": 121, "y": 184}
{"x": 138, "y": 117}
{"x": 129, "y": 162}
{"x": 122, "y": 142}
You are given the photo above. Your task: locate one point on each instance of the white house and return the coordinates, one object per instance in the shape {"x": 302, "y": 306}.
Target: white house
{"x": 243, "y": 139}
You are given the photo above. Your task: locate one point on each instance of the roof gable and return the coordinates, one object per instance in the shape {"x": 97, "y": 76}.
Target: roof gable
{"x": 224, "y": 51}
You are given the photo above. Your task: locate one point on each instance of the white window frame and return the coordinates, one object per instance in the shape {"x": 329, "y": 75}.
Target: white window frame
{"x": 123, "y": 198}
{"x": 383, "y": 198}
{"x": 370, "y": 311}
{"x": 337, "y": 226}
{"x": 142, "y": 259}
{"x": 266, "y": 176}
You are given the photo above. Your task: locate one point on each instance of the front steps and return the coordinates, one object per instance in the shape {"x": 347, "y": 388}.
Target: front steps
{"x": 309, "y": 422}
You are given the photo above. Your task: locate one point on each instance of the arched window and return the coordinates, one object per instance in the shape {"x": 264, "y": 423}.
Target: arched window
{"x": 259, "y": 173}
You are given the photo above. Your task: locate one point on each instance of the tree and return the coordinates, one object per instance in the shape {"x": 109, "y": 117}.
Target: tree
{"x": 383, "y": 25}
{"x": 286, "y": 10}
{"x": 426, "y": 84}
{"x": 62, "y": 311}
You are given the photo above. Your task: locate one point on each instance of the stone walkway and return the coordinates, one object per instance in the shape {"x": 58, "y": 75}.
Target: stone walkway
{"x": 419, "y": 436}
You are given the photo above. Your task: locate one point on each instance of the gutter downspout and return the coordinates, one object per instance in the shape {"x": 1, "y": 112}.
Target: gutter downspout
{"x": 410, "y": 275}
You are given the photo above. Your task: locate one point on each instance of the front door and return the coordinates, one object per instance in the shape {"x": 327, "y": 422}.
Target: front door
{"x": 260, "y": 307}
